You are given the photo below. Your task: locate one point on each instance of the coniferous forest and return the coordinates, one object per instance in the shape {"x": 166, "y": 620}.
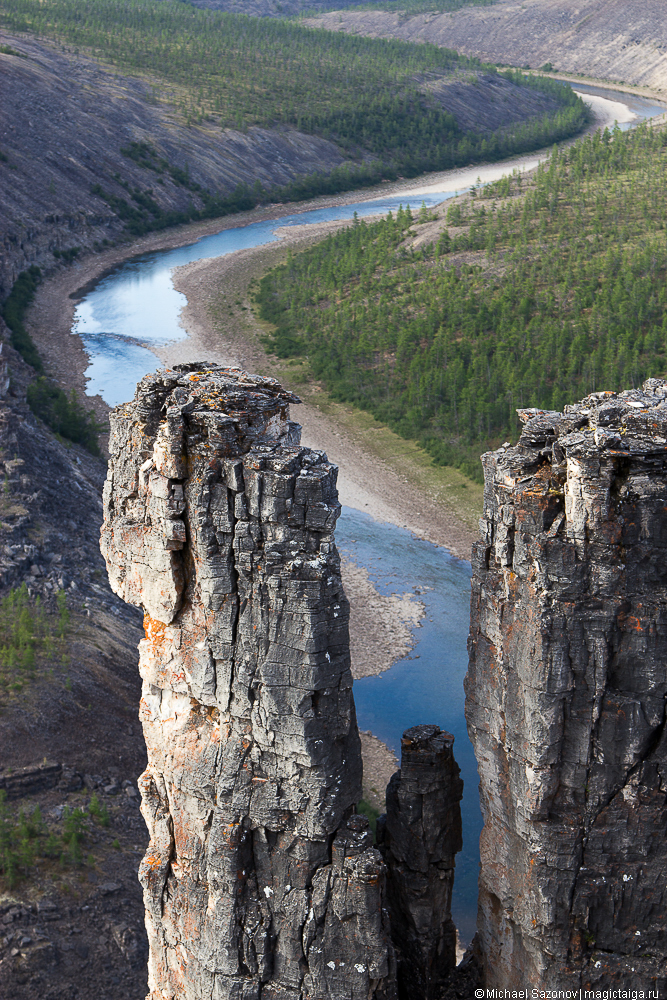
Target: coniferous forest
{"x": 369, "y": 96}
{"x": 536, "y": 293}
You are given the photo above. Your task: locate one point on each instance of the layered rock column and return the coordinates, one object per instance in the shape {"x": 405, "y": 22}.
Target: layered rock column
{"x": 422, "y": 835}
{"x": 259, "y": 880}
{"x": 566, "y": 697}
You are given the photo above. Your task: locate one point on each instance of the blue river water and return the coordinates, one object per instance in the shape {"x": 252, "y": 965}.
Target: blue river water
{"x": 137, "y": 306}
{"x": 427, "y": 686}
{"x": 137, "y": 303}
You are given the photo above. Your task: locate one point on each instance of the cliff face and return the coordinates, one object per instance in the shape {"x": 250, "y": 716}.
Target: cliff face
{"x": 625, "y": 40}
{"x": 259, "y": 878}
{"x": 566, "y": 697}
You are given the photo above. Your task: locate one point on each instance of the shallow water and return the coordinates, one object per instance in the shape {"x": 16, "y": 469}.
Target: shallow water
{"x": 137, "y": 304}
{"x": 427, "y": 686}
{"x": 628, "y": 109}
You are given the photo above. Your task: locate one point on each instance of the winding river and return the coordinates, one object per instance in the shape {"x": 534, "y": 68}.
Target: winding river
{"x": 136, "y": 307}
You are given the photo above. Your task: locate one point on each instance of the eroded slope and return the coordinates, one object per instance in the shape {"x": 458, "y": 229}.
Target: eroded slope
{"x": 624, "y": 40}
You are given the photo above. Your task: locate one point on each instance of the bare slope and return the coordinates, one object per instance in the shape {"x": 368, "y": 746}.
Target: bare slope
{"x": 270, "y": 8}
{"x": 67, "y": 187}
{"x": 66, "y": 120}
{"x": 622, "y": 40}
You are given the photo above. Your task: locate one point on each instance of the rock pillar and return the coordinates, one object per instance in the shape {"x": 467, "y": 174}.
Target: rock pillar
{"x": 566, "y": 694}
{"x": 260, "y": 883}
{"x": 422, "y": 835}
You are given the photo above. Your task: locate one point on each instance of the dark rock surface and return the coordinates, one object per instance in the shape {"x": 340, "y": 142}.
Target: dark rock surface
{"x": 258, "y": 877}
{"x": 422, "y": 835}
{"x": 566, "y": 694}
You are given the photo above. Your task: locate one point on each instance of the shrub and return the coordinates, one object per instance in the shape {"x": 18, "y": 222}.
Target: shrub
{"x": 63, "y": 414}
{"x": 13, "y": 312}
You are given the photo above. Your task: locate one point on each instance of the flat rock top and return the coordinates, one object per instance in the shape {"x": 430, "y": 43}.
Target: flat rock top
{"x": 632, "y": 421}
{"x": 212, "y": 387}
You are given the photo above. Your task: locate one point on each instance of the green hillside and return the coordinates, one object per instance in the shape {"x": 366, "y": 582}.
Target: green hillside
{"x": 370, "y": 96}
{"x": 531, "y": 298}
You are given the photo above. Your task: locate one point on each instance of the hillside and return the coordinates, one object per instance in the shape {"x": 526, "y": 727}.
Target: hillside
{"x": 68, "y": 118}
{"x": 531, "y": 293}
{"x": 112, "y": 132}
{"x": 622, "y": 40}
{"x": 70, "y": 904}
{"x": 289, "y": 8}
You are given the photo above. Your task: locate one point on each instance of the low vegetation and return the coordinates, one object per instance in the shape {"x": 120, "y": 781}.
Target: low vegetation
{"x": 368, "y": 95}
{"x": 26, "y": 840}
{"x": 13, "y": 313}
{"x": 370, "y": 812}
{"x": 535, "y": 294}
{"x": 30, "y": 636}
{"x": 63, "y": 414}
{"x": 59, "y": 411}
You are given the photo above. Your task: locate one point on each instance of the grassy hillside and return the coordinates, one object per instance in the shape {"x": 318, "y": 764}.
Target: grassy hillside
{"x": 372, "y": 97}
{"x": 530, "y": 297}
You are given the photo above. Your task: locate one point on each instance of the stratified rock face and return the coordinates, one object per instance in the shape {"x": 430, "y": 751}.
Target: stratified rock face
{"x": 259, "y": 880}
{"x": 566, "y": 697}
{"x": 422, "y": 835}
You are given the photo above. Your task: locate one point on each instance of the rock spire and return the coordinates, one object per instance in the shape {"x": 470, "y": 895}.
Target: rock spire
{"x": 566, "y": 694}
{"x": 421, "y": 836}
{"x": 260, "y": 881}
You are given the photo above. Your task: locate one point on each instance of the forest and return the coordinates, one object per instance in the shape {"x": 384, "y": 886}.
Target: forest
{"x": 537, "y": 292}
{"x": 369, "y": 96}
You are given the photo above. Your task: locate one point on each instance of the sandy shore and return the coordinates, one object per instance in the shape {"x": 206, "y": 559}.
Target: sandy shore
{"x": 382, "y": 628}
{"x": 50, "y": 319}
{"x": 222, "y": 327}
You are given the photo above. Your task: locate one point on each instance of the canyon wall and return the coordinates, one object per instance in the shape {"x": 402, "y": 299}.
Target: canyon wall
{"x": 621, "y": 40}
{"x": 67, "y": 119}
{"x": 259, "y": 879}
{"x": 566, "y": 697}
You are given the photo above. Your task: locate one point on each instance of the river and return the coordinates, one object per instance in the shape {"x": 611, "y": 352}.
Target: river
{"x": 136, "y": 307}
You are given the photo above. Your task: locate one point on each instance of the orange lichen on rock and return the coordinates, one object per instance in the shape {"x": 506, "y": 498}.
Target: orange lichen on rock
{"x": 220, "y": 525}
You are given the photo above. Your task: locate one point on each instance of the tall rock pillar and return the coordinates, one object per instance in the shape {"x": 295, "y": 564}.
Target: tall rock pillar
{"x": 260, "y": 883}
{"x": 422, "y": 836}
{"x": 566, "y": 694}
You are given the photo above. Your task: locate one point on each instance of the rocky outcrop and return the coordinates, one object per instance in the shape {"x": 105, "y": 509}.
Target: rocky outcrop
{"x": 566, "y": 697}
{"x": 259, "y": 880}
{"x": 623, "y": 40}
{"x": 421, "y": 836}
